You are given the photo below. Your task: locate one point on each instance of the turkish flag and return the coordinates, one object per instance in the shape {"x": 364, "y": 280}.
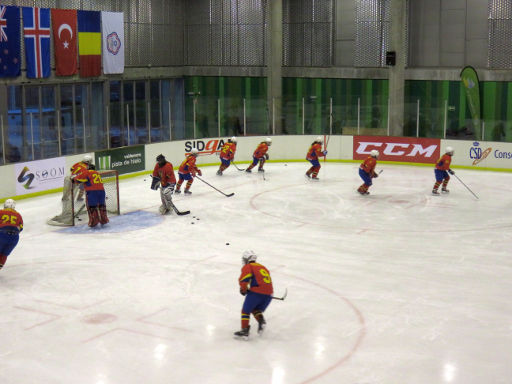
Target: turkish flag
{"x": 65, "y": 41}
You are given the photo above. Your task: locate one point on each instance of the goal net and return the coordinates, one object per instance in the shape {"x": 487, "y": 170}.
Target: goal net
{"x": 73, "y": 201}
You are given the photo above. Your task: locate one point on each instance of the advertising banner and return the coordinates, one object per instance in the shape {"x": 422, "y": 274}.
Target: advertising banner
{"x": 403, "y": 149}
{"x": 123, "y": 160}
{"x": 471, "y": 85}
{"x": 481, "y": 154}
{"x": 41, "y": 175}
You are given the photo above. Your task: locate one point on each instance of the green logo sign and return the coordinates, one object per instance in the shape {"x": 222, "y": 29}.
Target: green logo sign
{"x": 123, "y": 160}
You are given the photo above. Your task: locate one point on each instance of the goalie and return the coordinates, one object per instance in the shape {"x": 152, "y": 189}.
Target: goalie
{"x": 70, "y": 189}
{"x": 163, "y": 177}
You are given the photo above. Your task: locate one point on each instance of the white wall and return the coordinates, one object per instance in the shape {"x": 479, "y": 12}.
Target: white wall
{"x": 499, "y": 155}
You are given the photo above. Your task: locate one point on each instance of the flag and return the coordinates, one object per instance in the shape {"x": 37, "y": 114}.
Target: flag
{"x": 36, "y": 31}
{"x": 471, "y": 86}
{"x": 89, "y": 43}
{"x": 10, "y": 41}
{"x": 64, "y": 41}
{"x": 112, "y": 26}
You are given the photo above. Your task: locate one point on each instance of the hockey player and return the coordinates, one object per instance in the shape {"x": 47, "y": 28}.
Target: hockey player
{"x": 187, "y": 171}
{"x": 65, "y": 217}
{"x": 95, "y": 192}
{"x": 260, "y": 155}
{"x": 315, "y": 151}
{"x": 77, "y": 169}
{"x": 367, "y": 172}
{"x": 442, "y": 171}
{"x": 227, "y": 155}
{"x": 11, "y": 224}
{"x": 256, "y": 285}
{"x": 163, "y": 177}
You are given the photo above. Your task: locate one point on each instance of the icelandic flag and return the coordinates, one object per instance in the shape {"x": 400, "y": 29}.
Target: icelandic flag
{"x": 10, "y": 41}
{"x": 36, "y": 30}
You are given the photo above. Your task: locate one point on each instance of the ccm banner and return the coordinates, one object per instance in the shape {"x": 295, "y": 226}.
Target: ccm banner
{"x": 402, "y": 149}
{"x": 39, "y": 175}
{"x": 123, "y": 160}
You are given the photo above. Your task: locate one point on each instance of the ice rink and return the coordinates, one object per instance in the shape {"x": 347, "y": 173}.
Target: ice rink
{"x": 396, "y": 287}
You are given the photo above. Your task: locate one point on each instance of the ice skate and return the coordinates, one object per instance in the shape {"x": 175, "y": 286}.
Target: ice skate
{"x": 444, "y": 190}
{"x": 261, "y": 170}
{"x": 243, "y": 333}
{"x": 187, "y": 192}
{"x": 435, "y": 192}
{"x": 163, "y": 209}
{"x": 219, "y": 172}
{"x": 248, "y": 170}
{"x": 177, "y": 191}
{"x": 261, "y": 325}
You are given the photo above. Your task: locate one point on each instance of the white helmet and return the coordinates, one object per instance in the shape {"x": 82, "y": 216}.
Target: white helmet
{"x": 319, "y": 139}
{"x": 194, "y": 151}
{"x": 233, "y": 139}
{"x": 9, "y": 204}
{"x": 374, "y": 153}
{"x": 268, "y": 140}
{"x": 87, "y": 159}
{"x": 449, "y": 150}
{"x": 248, "y": 257}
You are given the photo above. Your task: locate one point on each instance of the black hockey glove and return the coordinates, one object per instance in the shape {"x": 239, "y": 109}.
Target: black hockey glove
{"x": 451, "y": 172}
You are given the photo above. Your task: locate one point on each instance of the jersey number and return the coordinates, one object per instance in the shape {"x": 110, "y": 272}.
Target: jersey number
{"x": 96, "y": 178}
{"x": 266, "y": 276}
{"x": 9, "y": 219}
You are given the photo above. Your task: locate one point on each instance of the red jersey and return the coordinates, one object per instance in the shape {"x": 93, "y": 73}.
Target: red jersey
{"x": 315, "y": 151}
{"x": 189, "y": 166}
{"x": 165, "y": 173}
{"x": 369, "y": 165}
{"x": 228, "y": 151}
{"x": 78, "y": 168}
{"x": 91, "y": 179}
{"x": 256, "y": 278}
{"x": 443, "y": 164}
{"x": 260, "y": 150}
{"x": 10, "y": 218}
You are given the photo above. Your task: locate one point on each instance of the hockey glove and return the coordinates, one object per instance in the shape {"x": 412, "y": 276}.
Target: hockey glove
{"x": 243, "y": 291}
{"x": 451, "y": 172}
{"x": 155, "y": 182}
{"x": 266, "y": 156}
{"x": 324, "y": 153}
{"x": 375, "y": 175}
{"x": 199, "y": 172}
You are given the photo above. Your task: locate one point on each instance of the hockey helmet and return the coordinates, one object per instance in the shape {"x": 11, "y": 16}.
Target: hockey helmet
{"x": 160, "y": 158}
{"x": 233, "y": 139}
{"x": 319, "y": 140}
{"x": 194, "y": 151}
{"x": 449, "y": 150}
{"x": 268, "y": 140}
{"x": 9, "y": 204}
{"x": 87, "y": 159}
{"x": 374, "y": 153}
{"x": 249, "y": 257}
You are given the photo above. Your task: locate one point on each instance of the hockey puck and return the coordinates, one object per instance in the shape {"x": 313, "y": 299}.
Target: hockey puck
{"x": 227, "y": 243}
{"x": 192, "y": 223}
{"x": 197, "y": 218}
{"x": 286, "y": 165}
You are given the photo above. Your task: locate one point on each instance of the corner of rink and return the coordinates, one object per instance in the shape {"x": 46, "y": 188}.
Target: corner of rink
{"x": 126, "y": 222}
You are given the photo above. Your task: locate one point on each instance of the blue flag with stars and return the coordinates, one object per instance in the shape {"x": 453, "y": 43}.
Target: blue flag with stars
{"x": 10, "y": 41}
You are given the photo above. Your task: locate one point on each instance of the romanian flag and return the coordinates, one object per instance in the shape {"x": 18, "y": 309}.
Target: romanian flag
{"x": 89, "y": 43}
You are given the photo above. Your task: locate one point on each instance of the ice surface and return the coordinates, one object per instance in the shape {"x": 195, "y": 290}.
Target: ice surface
{"x": 396, "y": 287}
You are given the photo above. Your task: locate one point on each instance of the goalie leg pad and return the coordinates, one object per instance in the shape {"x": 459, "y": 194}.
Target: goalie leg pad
{"x": 103, "y": 215}
{"x": 94, "y": 217}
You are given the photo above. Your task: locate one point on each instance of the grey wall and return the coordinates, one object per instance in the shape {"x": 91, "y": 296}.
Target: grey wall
{"x": 448, "y": 33}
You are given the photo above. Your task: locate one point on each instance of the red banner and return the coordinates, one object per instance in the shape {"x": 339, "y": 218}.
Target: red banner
{"x": 64, "y": 41}
{"x": 403, "y": 149}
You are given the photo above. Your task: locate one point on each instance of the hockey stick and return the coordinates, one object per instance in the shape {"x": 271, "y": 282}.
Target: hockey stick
{"x": 218, "y": 190}
{"x": 177, "y": 211}
{"x": 237, "y": 167}
{"x": 283, "y": 297}
{"x": 466, "y": 186}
